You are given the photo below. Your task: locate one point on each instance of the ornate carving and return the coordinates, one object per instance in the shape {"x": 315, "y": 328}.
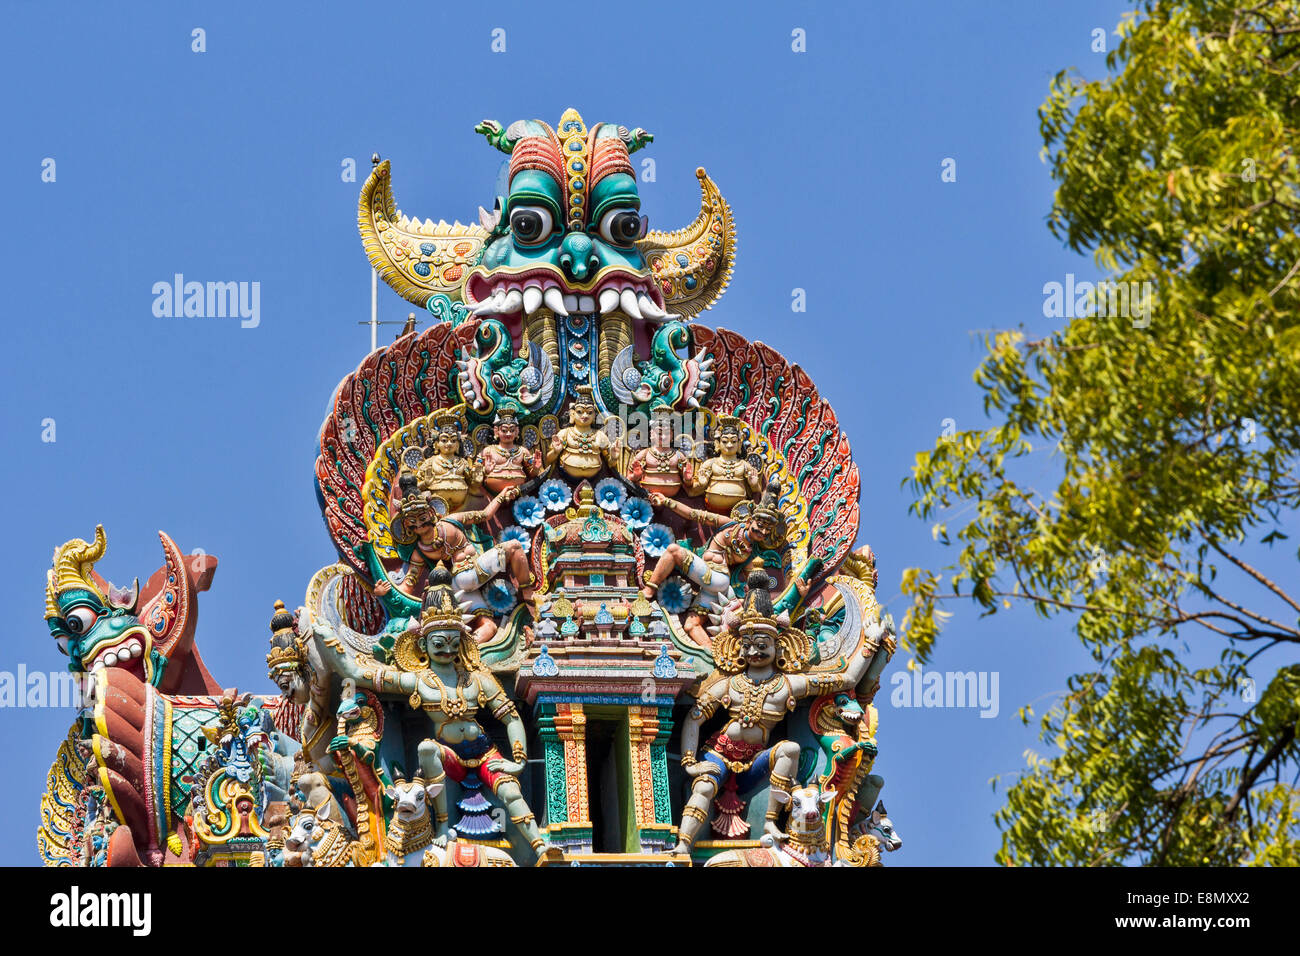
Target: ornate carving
{"x": 511, "y": 550}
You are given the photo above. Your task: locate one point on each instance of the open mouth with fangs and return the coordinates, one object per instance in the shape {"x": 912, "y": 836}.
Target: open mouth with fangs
{"x": 128, "y": 652}
{"x": 515, "y": 296}
{"x": 522, "y": 293}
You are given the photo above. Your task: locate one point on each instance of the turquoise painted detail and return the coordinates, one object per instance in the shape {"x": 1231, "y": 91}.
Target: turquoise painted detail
{"x": 443, "y": 309}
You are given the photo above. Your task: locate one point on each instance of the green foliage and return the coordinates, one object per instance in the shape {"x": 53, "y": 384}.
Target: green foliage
{"x": 1173, "y": 444}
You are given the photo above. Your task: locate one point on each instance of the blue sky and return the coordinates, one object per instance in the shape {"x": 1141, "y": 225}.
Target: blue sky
{"x": 225, "y": 166}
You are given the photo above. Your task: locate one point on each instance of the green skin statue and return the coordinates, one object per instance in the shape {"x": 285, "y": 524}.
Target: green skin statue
{"x": 449, "y": 693}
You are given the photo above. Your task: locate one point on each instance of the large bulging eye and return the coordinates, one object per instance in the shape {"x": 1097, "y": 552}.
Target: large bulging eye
{"x": 81, "y": 620}
{"x": 531, "y": 224}
{"x": 621, "y": 226}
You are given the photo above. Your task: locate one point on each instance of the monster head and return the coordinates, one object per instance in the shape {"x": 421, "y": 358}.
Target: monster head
{"x": 568, "y": 227}
{"x": 569, "y": 235}
{"x": 148, "y": 633}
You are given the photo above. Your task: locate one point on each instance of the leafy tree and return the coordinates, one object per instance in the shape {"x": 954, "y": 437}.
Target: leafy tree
{"x": 1171, "y": 440}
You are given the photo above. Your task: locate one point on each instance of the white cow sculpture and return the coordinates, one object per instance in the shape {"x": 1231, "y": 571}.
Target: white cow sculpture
{"x": 410, "y": 840}
{"x": 808, "y": 844}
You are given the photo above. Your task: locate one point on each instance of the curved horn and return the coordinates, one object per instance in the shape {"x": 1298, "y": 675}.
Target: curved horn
{"x": 403, "y": 250}
{"x": 73, "y": 563}
{"x": 51, "y": 596}
{"x": 693, "y": 265}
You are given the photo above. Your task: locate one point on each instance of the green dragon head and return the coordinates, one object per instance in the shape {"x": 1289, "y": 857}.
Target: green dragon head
{"x": 568, "y": 237}
{"x": 149, "y": 634}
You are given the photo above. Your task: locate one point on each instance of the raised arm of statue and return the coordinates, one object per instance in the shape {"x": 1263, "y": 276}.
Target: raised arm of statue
{"x": 690, "y": 514}
{"x": 697, "y": 483}
{"x": 555, "y": 447}
{"x": 609, "y": 451}
{"x": 636, "y": 469}
{"x": 371, "y": 675}
{"x": 469, "y": 518}
{"x": 474, "y": 477}
{"x": 814, "y": 685}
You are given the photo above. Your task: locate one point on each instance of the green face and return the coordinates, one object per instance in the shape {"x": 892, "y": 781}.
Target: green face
{"x": 541, "y": 246}
{"x": 442, "y": 646}
{"x": 94, "y": 634}
{"x": 848, "y": 707}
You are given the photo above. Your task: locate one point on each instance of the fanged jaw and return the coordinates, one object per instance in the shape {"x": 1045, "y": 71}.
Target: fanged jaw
{"x": 525, "y": 293}
{"x": 127, "y": 651}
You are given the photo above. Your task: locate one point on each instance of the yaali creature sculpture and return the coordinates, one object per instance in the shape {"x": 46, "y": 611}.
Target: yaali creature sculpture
{"x": 595, "y": 600}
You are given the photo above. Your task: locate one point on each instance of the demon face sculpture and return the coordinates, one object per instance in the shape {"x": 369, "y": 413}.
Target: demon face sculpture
{"x": 148, "y": 633}
{"x": 565, "y": 271}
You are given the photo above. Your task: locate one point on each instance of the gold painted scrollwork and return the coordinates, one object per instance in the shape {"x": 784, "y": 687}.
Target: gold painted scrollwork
{"x": 417, "y": 259}
{"x": 693, "y": 265}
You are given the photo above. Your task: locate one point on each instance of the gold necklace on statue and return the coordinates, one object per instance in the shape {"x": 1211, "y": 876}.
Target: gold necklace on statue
{"x": 753, "y": 696}
{"x": 453, "y": 706}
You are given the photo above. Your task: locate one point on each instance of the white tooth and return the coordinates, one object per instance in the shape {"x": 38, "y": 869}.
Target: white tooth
{"x": 648, "y": 307}
{"x": 628, "y": 301}
{"x": 513, "y": 300}
{"x": 706, "y": 363}
{"x": 555, "y": 301}
{"x": 110, "y": 659}
{"x": 586, "y": 303}
{"x": 483, "y": 307}
{"x": 608, "y": 301}
{"x": 97, "y": 666}
{"x": 571, "y": 303}
{"x": 693, "y": 402}
{"x": 532, "y": 299}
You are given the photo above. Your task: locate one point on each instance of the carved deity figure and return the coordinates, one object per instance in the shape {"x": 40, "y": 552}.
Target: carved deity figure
{"x": 357, "y": 728}
{"x": 760, "y": 660}
{"x": 287, "y": 665}
{"x": 448, "y": 681}
{"x": 507, "y": 464}
{"x": 442, "y": 538}
{"x": 444, "y": 472}
{"x": 734, "y": 544}
{"x": 581, "y": 448}
{"x": 727, "y": 479}
{"x": 661, "y": 467}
